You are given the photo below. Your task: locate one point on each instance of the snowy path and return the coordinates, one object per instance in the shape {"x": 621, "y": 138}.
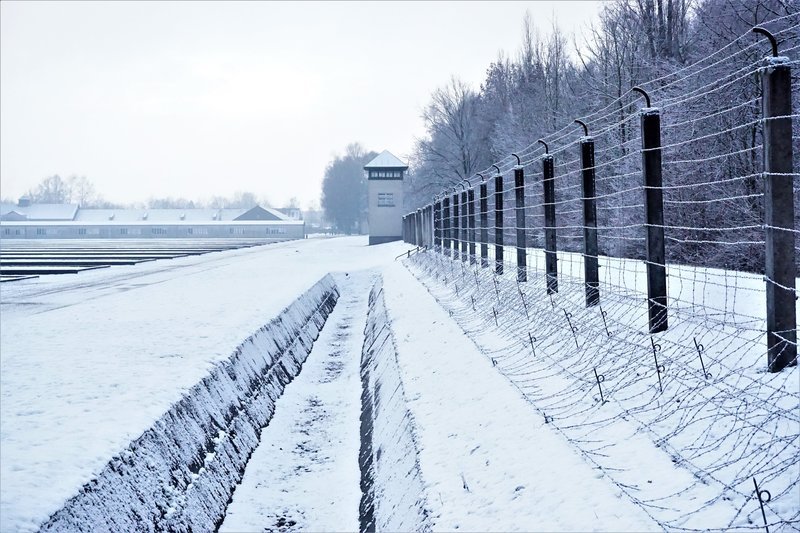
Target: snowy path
{"x": 304, "y": 474}
{"x": 489, "y": 461}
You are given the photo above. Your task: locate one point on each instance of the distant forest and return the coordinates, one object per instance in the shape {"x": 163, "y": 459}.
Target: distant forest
{"x": 552, "y": 80}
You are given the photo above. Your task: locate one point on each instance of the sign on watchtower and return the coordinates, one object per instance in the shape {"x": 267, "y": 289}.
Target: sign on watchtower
{"x": 385, "y": 190}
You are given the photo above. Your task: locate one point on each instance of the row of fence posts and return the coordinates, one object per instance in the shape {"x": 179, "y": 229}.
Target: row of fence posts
{"x": 418, "y": 227}
{"x": 450, "y": 219}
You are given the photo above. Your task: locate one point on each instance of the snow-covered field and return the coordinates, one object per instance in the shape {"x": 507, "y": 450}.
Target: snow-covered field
{"x": 454, "y": 403}
{"x": 91, "y": 361}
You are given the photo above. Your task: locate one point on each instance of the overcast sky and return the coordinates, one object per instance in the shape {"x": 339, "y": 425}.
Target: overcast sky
{"x": 200, "y": 99}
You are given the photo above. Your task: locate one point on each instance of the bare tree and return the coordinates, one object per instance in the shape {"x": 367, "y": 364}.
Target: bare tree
{"x": 51, "y": 190}
{"x": 456, "y": 144}
{"x": 81, "y": 191}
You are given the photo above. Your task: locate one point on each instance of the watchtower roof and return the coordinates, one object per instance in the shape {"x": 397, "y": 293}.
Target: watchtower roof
{"x": 386, "y": 160}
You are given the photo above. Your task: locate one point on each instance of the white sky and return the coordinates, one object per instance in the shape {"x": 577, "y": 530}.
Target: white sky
{"x": 200, "y": 99}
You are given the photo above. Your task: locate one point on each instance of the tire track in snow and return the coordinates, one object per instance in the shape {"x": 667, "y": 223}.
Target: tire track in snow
{"x": 304, "y": 475}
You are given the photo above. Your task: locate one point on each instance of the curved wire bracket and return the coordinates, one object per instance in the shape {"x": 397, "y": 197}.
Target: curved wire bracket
{"x": 497, "y": 169}
{"x": 483, "y": 178}
{"x": 768, "y": 35}
{"x": 518, "y": 161}
{"x": 585, "y": 127}
{"x": 643, "y": 93}
{"x": 546, "y": 148}
{"x": 462, "y": 184}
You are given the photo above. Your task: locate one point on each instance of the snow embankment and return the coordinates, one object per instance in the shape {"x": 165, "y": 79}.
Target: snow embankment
{"x": 179, "y": 474}
{"x": 393, "y": 495}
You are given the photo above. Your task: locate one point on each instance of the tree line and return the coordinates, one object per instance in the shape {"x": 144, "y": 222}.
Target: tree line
{"x": 552, "y": 80}
{"x": 344, "y": 190}
{"x": 80, "y": 190}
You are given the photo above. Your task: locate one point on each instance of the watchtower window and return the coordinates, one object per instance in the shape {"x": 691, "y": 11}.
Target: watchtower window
{"x": 385, "y": 174}
{"x": 385, "y": 199}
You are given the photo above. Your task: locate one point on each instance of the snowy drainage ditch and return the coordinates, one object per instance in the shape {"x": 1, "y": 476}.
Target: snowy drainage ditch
{"x": 391, "y": 483}
{"x": 180, "y": 474}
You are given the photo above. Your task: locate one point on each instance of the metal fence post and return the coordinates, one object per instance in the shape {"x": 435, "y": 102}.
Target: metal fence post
{"x": 446, "y": 225}
{"x": 550, "y": 258}
{"x": 484, "y": 208}
{"x": 498, "y": 222}
{"x": 464, "y": 223}
{"x": 780, "y": 266}
{"x": 522, "y": 247}
{"x": 591, "y": 274}
{"x": 654, "y": 216}
{"x": 455, "y": 226}
{"x": 471, "y": 203}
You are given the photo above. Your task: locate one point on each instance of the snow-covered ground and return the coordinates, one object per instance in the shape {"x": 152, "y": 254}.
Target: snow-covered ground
{"x": 91, "y": 361}
{"x": 682, "y": 421}
{"x": 485, "y": 412}
{"x": 304, "y": 475}
{"x": 489, "y": 461}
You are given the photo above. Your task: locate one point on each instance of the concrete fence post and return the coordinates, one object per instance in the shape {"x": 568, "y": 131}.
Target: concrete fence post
{"x": 498, "y": 223}
{"x": 591, "y": 273}
{"x": 431, "y": 224}
{"x": 464, "y": 224}
{"x": 484, "y": 208}
{"x": 471, "y": 203}
{"x": 437, "y": 224}
{"x": 550, "y": 258}
{"x": 650, "y": 120}
{"x": 522, "y": 246}
{"x": 446, "y": 225}
{"x": 455, "y": 225}
{"x": 427, "y": 213}
{"x": 418, "y": 226}
{"x": 780, "y": 269}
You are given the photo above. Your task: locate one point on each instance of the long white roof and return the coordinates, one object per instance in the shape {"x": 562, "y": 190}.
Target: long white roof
{"x": 71, "y": 212}
{"x": 41, "y": 211}
{"x": 157, "y": 215}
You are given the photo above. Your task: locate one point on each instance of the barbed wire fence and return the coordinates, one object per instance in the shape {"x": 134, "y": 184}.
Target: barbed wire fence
{"x": 636, "y": 332}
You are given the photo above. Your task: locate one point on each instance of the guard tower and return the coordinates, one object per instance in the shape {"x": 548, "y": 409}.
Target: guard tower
{"x": 385, "y": 189}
